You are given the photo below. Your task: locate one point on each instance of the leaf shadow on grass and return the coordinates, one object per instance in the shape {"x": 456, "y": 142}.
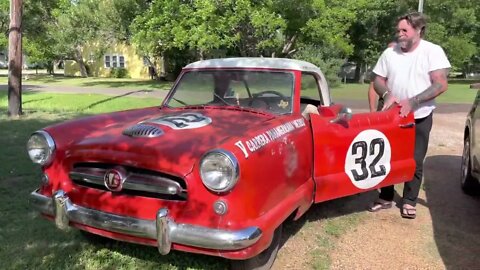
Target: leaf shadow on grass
{"x": 114, "y": 97}
{"x": 124, "y": 84}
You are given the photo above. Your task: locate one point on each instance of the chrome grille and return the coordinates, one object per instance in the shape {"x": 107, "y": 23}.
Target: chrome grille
{"x": 143, "y": 130}
{"x": 137, "y": 182}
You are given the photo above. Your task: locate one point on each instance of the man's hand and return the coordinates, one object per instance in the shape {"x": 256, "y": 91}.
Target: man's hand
{"x": 389, "y": 100}
{"x": 407, "y": 106}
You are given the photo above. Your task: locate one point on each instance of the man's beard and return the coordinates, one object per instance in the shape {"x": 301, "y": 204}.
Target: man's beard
{"x": 406, "y": 44}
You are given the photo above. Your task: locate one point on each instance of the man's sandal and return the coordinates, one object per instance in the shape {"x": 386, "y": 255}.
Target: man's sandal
{"x": 379, "y": 204}
{"x": 409, "y": 212}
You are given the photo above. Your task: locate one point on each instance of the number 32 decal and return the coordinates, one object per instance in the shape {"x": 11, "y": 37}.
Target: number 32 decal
{"x": 183, "y": 121}
{"x": 367, "y": 162}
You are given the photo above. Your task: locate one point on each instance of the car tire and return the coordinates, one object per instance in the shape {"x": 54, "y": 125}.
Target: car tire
{"x": 468, "y": 182}
{"x": 265, "y": 259}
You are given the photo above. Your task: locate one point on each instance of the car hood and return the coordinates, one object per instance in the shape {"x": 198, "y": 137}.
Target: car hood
{"x": 170, "y": 140}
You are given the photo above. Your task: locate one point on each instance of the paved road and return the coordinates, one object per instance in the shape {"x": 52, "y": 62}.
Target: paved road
{"x": 356, "y": 105}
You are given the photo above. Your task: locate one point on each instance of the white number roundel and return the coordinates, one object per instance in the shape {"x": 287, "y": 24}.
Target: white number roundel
{"x": 367, "y": 161}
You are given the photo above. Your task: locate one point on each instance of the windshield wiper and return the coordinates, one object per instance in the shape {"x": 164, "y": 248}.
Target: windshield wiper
{"x": 221, "y": 99}
{"x": 179, "y": 101}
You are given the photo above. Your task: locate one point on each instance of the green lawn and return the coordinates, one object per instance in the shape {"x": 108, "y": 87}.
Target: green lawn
{"x": 78, "y": 104}
{"x": 59, "y": 80}
{"x": 456, "y": 93}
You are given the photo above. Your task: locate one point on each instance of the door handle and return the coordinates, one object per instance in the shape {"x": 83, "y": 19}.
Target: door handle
{"x": 408, "y": 125}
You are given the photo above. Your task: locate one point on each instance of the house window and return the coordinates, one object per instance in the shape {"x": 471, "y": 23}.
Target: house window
{"x": 107, "y": 61}
{"x": 114, "y": 61}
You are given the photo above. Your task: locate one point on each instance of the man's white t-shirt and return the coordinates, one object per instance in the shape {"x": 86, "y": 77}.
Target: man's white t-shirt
{"x": 408, "y": 73}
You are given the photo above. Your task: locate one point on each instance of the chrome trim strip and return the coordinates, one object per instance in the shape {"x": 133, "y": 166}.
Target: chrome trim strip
{"x": 134, "y": 181}
{"x": 163, "y": 229}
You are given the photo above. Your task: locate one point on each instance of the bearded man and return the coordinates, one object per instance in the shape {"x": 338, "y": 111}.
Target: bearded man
{"x": 412, "y": 74}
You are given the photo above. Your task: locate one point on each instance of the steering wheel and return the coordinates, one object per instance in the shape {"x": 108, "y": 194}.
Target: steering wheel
{"x": 268, "y": 92}
{"x": 257, "y": 102}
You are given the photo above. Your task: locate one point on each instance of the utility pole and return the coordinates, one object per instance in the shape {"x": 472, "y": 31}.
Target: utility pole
{"x": 15, "y": 59}
{"x": 420, "y": 6}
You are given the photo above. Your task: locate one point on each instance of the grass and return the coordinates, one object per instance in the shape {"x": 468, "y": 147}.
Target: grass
{"x": 457, "y": 92}
{"x": 60, "y": 80}
{"x": 333, "y": 229}
{"x": 73, "y": 104}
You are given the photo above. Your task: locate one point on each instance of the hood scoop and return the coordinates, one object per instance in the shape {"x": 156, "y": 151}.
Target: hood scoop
{"x": 143, "y": 130}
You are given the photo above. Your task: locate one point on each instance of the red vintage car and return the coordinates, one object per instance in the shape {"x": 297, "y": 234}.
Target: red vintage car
{"x": 232, "y": 152}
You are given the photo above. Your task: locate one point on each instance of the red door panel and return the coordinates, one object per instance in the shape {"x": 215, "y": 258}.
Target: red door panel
{"x": 372, "y": 150}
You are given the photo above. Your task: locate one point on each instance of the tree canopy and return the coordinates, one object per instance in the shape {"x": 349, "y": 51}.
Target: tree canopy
{"x": 327, "y": 33}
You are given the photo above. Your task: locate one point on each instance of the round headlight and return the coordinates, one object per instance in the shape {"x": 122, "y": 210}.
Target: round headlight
{"x": 40, "y": 147}
{"x": 219, "y": 170}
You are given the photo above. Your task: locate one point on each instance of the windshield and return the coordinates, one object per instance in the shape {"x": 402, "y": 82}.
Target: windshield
{"x": 261, "y": 90}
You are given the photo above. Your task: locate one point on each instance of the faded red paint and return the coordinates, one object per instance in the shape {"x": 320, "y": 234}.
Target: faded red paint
{"x": 277, "y": 176}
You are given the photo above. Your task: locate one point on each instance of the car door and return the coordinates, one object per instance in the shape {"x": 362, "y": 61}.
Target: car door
{"x": 369, "y": 151}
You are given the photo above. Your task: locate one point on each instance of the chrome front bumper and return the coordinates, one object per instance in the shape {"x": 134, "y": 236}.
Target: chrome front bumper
{"x": 164, "y": 230}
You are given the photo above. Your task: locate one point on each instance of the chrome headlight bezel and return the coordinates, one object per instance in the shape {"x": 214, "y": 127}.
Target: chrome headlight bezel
{"x": 229, "y": 174}
{"x": 48, "y": 147}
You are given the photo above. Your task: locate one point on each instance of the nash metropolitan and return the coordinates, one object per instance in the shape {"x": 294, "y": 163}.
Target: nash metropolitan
{"x": 238, "y": 146}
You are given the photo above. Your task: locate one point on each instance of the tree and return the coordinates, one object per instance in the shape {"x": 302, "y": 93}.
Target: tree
{"x": 4, "y": 21}
{"x": 371, "y": 32}
{"x": 454, "y": 25}
{"x": 79, "y": 25}
{"x": 15, "y": 59}
{"x": 244, "y": 28}
{"x": 207, "y": 28}
{"x": 102, "y": 23}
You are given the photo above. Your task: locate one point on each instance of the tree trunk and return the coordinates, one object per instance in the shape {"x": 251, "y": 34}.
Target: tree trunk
{"x": 81, "y": 63}
{"x": 363, "y": 72}
{"x": 15, "y": 59}
{"x": 360, "y": 72}
{"x": 287, "y": 47}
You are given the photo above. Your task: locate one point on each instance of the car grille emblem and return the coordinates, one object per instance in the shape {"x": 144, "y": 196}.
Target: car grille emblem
{"x": 114, "y": 179}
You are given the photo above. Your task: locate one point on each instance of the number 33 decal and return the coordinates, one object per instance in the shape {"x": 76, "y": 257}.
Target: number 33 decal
{"x": 367, "y": 161}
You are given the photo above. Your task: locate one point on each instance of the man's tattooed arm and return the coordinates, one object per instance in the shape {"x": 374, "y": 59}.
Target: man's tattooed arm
{"x": 380, "y": 86}
{"x": 439, "y": 85}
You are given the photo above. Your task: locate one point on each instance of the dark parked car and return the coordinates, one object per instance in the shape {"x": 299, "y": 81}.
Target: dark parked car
{"x": 471, "y": 149}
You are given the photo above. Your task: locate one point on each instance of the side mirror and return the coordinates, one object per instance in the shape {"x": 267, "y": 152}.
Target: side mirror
{"x": 343, "y": 116}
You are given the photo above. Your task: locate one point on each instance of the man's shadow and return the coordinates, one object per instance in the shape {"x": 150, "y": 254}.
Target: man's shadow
{"x": 455, "y": 215}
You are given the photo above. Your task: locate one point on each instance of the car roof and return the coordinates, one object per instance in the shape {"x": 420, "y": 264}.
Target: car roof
{"x": 267, "y": 63}
{"x": 255, "y": 62}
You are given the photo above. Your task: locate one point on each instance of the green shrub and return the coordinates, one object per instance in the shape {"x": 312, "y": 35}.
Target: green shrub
{"x": 119, "y": 73}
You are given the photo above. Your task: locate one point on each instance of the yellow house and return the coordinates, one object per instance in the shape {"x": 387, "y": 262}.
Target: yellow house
{"x": 118, "y": 56}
